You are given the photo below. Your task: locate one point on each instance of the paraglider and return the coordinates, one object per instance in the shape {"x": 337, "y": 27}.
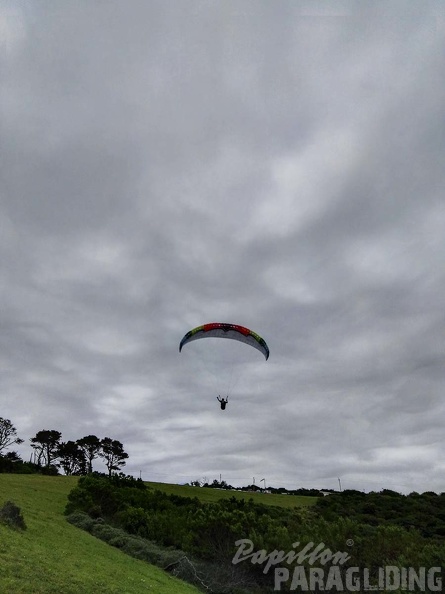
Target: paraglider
{"x": 230, "y": 331}
{"x": 223, "y": 402}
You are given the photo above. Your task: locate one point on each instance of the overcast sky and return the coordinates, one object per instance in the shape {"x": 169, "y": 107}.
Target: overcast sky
{"x": 278, "y": 165}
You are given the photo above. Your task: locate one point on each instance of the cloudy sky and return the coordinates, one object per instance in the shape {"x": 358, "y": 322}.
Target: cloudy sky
{"x": 278, "y": 165}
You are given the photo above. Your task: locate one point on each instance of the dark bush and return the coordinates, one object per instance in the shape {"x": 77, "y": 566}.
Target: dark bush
{"x": 134, "y": 520}
{"x": 12, "y": 463}
{"x": 11, "y": 515}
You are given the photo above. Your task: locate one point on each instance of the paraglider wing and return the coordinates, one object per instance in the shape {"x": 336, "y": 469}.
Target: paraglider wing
{"x": 232, "y": 331}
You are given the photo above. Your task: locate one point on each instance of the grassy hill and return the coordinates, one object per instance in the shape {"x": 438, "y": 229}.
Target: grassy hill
{"x": 210, "y": 495}
{"x": 54, "y": 557}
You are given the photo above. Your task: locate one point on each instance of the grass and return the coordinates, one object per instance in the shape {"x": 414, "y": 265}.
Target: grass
{"x": 210, "y": 495}
{"x": 54, "y": 557}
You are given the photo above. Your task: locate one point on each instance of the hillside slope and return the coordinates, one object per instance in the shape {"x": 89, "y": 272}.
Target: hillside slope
{"x": 210, "y": 495}
{"x": 54, "y": 557}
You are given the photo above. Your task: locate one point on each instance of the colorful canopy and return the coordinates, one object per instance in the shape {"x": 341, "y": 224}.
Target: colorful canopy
{"x": 232, "y": 331}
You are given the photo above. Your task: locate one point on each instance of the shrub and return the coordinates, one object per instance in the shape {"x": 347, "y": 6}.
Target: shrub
{"x": 104, "y": 531}
{"x": 81, "y": 520}
{"x": 11, "y": 516}
{"x": 134, "y": 520}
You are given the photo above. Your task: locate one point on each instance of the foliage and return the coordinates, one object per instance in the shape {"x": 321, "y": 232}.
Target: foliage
{"x": 209, "y": 575}
{"x": 90, "y": 446}
{"x": 46, "y": 444}
{"x": 101, "y": 496}
{"x": 12, "y": 463}
{"x": 133, "y": 545}
{"x": 205, "y": 532}
{"x": 11, "y": 515}
{"x": 112, "y": 451}
{"x": 208, "y": 532}
{"x": 424, "y": 513}
{"x": 8, "y": 434}
{"x": 71, "y": 458}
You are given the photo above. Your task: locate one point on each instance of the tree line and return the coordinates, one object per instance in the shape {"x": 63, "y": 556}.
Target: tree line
{"x": 424, "y": 512}
{"x": 50, "y": 452}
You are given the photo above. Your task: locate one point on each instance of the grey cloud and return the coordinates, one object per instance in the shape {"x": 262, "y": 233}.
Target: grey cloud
{"x": 175, "y": 164}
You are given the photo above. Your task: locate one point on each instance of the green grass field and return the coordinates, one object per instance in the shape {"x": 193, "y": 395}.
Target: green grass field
{"x": 54, "y": 557}
{"x": 209, "y": 495}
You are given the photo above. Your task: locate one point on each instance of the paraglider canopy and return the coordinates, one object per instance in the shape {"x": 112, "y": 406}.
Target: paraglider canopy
{"x": 232, "y": 331}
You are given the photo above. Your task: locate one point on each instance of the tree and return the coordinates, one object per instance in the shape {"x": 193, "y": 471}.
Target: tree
{"x": 13, "y": 457}
{"x": 46, "y": 444}
{"x": 10, "y": 462}
{"x": 90, "y": 445}
{"x": 72, "y": 458}
{"x": 112, "y": 451}
{"x": 8, "y": 434}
